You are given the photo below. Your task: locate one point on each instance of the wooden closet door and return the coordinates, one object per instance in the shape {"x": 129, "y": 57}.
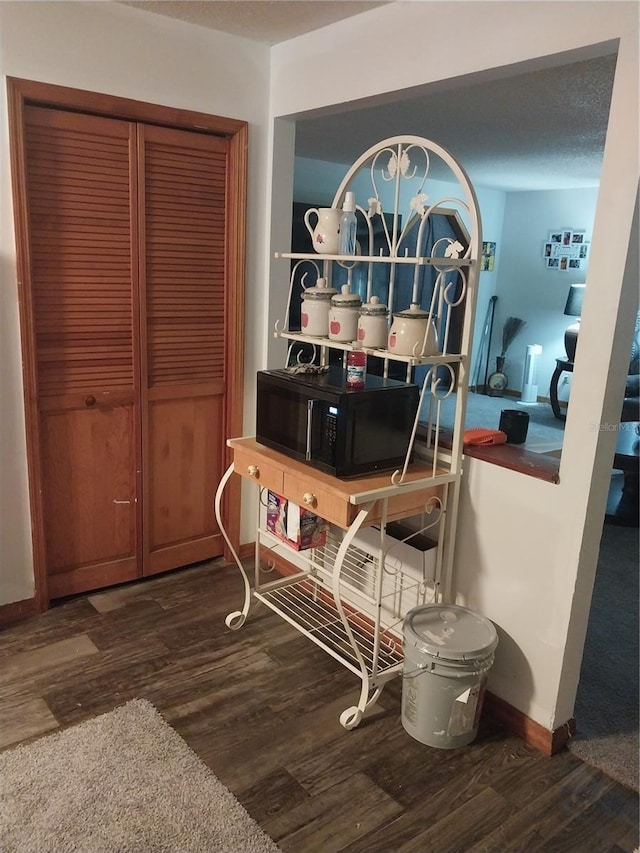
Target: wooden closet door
{"x": 183, "y": 221}
{"x": 80, "y": 179}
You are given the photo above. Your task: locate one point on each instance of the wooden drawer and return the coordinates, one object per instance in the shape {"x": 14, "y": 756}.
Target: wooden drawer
{"x": 338, "y": 510}
{"x": 404, "y": 504}
{"x": 258, "y": 469}
{"x": 324, "y": 503}
{"x": 329, "y": 497}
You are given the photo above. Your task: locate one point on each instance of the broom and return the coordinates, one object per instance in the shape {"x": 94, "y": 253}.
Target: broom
{"x": 512, "y": 327}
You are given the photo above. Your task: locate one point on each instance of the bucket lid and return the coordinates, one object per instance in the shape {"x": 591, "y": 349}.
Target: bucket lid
{"x": 450, "y": 632}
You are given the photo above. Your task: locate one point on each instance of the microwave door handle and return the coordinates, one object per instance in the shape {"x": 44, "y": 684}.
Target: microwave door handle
{"x": 310, "y": 405}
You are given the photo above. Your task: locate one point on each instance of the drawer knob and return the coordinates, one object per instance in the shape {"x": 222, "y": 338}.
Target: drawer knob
{"x": 309, "y": 499}
{"x": 253, "y": 471}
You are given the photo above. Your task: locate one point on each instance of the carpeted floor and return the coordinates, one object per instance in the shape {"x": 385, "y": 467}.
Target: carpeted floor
{"x": 544, "y": 434}
{"x": 608, "y": 700}
{"x": 124, "y": 781}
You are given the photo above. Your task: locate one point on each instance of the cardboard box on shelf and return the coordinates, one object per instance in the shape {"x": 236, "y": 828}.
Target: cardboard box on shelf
{"x": 416, "y": 556}
{"x": 298, "y": 527}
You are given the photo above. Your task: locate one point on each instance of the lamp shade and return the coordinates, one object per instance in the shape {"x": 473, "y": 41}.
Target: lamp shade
{"x": 573, "y": 306}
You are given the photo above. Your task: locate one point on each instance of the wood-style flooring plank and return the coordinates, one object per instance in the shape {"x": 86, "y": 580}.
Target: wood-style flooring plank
{"x": 439, "y": 779}
{"x": 553, "y": 810}
{"x": 226, "y": 694}
{"x": 463, "y": 828}
{"x": 437, "y": 783}
{"x": 261, "y": 707}
{"x": 26, "y": 665}
{"x": 67, "y": 619}
{"x": 23, "y": 720}
{"x": 275, "y": 794}
{"x": 346, "y": 811}
{"x": 104, "y": 681}
{"x": 611, "y": 815}
{"x": 523, "y": 788}
{"x": 331, "y": 763}
{"x": 240, "y": 765}
{"x": 133, "y": 623}
{"x": 390, "y": 835}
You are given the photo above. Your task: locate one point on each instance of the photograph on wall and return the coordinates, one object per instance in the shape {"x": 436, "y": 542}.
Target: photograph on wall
{"x": 565, "y": 249}
{"x": 488, "y": 257}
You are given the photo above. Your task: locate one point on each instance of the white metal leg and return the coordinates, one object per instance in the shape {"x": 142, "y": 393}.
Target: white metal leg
{"x": 371, "y": 686}
{"x": 237, "y": 618}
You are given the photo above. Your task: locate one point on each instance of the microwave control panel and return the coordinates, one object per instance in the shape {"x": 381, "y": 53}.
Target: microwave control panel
{"x": 330, "y": 434}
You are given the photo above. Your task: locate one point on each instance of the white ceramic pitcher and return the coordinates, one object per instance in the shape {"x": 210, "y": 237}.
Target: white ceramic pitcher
{"x": 325, "y": 235}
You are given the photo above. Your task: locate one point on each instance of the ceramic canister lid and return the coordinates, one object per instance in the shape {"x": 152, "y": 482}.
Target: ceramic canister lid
{"x": 346, "y": 299}
{"x": 450, "y": 632}
{"x": 374, "y": 308}
{"x": 414, "y": 311}
{"x": 319, "y": 291}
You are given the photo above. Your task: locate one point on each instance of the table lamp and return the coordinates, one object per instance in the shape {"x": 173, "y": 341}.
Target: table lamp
{"x": 573, "y": 308}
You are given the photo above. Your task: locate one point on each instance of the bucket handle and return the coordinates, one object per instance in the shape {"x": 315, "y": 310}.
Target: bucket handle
{"x": 422, "y": 669}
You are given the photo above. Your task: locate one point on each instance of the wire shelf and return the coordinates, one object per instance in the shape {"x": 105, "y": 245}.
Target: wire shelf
{"x": 414, "y": 360}
{"x": 309, "y": 608}
{"x": 360, "y": 570}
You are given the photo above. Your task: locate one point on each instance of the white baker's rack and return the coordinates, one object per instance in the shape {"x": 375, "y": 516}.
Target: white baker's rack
{"x": 357, "y": 616}
{"x": 398, "y": 163}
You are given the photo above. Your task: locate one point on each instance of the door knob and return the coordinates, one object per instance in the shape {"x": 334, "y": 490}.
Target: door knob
{"x": 253, "y": 471}
{"x": 90, "y": 400}
{"x": 309, "y": 499}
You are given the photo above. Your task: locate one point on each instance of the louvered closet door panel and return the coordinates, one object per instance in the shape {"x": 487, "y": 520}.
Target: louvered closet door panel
{"x": 183, "y": 222}
{"x": 80, "y": 203}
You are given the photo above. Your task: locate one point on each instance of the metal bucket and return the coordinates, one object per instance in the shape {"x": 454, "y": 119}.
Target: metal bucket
{"x": 448, "y": 652}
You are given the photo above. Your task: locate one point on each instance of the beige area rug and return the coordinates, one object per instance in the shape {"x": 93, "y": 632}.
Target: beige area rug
{"x": 124, "y": 781}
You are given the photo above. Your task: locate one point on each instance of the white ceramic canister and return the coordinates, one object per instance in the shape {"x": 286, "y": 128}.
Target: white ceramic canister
{"x": 325, "y": 236}
{"x": 412, "y": 334}
{"x": 314, "y": 313}
{"x": 373, "y": 326}
{"x": 343, "y": 315}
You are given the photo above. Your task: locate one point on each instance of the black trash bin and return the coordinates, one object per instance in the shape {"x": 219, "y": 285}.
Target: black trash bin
{"x": 515, "y": 424}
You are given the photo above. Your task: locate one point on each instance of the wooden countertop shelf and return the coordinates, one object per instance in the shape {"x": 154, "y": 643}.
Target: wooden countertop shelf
{"x": 334, "y": 499}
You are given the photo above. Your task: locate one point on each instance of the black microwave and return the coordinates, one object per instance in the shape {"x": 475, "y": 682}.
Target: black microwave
{"x": 316, "y": 419}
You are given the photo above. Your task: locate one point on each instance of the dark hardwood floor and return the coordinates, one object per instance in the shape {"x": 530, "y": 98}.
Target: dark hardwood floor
{"x": 261, "y": 705}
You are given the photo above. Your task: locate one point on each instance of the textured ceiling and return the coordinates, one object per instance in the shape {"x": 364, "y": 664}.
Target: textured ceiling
{"x": 542, "y": 129}
{"x": 264, "y": 21}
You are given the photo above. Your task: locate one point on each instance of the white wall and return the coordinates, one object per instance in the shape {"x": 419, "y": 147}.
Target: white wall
{"x": 526, "y": 288}
{"x": 317, "y": 180}
{"x": 527, "y": 549}
{"x": 106, "y": 47}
